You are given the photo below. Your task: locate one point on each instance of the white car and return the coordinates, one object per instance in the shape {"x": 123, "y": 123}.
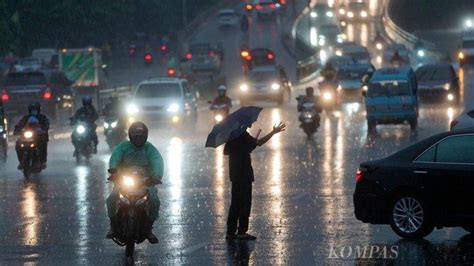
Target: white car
{"x": 28, "y": 64}
{"x": 464, "y": 120}
{"x": 163, "y": 99}
{"x": 227, "y": 17}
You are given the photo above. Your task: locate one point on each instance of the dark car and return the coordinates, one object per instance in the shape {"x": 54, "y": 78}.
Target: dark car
{"x": 429, "y": 184}
{"x": 438, "y": 82}
{"x": 49, "y": 87}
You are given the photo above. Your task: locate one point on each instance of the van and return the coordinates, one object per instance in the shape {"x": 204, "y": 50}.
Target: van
{"x": 392, "y": 98}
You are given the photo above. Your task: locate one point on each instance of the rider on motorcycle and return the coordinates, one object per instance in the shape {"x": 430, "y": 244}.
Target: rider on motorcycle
{"x": 328, "y": 72}
{"x": 34, "y": 125}
{"x": 142, "y": 154}
{"x": 34, "y": 110}
{"x": 90, "y": 114}
{"x": 309, "y": 98}
{"x": 221, "y": 99}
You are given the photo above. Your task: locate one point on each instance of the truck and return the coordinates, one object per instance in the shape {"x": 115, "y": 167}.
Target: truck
{"x": 84, "y": 67}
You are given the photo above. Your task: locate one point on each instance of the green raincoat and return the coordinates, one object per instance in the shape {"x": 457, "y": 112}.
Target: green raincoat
{"x": 147, "y": 157}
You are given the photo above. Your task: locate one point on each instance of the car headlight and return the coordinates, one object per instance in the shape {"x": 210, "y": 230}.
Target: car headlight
{"x": 80, "y": 129}
{"x": 313, "y": 14}
{"x": 244, "y": 87}
{"x": 420, "y": 53}
{"x": 132, "y": 109}
{"x": 342, "y": 11}
{"x": 275, "y": 86}
{"x": 338, "y": 52}
{"x": 321, "y": 41}
{"x": 329, "y": 14}
{"x": 128, "y": 181}
{"x": 28, "y": 134}
{"x": 106, "y": 125}
{"x": 447, "y": 86}
{"x": 114, "y": 124}
{"x": 364, "y": 14}
{"x": 173, "y": 108}
{"x": 379, "y": 46}
{"x": 461, "y": 55}
{"x": 450, "y": 97}
{"x": 350, "y": 14}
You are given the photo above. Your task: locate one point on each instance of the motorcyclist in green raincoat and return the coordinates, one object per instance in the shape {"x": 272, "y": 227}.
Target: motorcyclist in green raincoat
{"x": 137, "y": 153}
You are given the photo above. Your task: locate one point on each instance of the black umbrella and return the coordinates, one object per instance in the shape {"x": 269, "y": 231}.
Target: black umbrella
{"x": 232, "y": 126}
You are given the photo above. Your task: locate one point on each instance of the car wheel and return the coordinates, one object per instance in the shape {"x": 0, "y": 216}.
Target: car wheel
{"x": 413, "y": 124}
{"x": 410, "y": 218}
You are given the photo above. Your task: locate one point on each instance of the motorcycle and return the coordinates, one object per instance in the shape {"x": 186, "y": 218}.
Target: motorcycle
{"x": 114, "y": 131}
{"x": 330, "y": 94}
{"x": 220, "y": 111}
{"x": 3, "y": 145}
{"x": 309, "y": 118}
{"x": 29, "y": 149}
{"x": 133, "y": 207}
{"x": 82, "y": 140}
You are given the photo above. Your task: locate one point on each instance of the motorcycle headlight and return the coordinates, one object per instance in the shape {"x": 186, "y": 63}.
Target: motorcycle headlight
{"x": 132, "y": 109}
{"x": 450, "y": 97}
{"x": 128, "y": 181}
{"x": 461, "y": 55}
{"x": 275, "y": 86}
{"x": 244, "y": 87}
{"x": 173, "y": 108}
{"x": 364, "y": 14}
{"x": 447, "y": 86}
{"x": 327, "y": 96}
{"x": 113, "y": 124}
{"x": 329, "y": 14}
{"x": 106, "y": 125}
{"x": 218, "y": 118}
{"x": 80, "y": 129}
{"x": 1, "y": 129}
{"x": 28, "y": 134}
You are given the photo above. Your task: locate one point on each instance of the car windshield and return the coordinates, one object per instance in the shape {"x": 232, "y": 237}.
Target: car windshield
{"x": 359, "y": 55}
{"x": 200, "y": 49}
{"x": 351, "y": 73}
{"x": 388, "y": 88}
{"x": 433, "y": 74}
{"x": 158, "y": 90}
{"x": 468, "y": 44}
{"x": 262, "y": 76}
{"x": 24, "y": 79}
{"x": 329, "y": 29}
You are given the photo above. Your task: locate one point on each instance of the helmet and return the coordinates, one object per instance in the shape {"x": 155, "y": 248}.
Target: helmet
{"x": 309, "y": 91}
{"x": 221, "y": 90}
{"x": 138, "y": 134}
{"x": 34, "y": 108}
{"x": 87, "y": 100}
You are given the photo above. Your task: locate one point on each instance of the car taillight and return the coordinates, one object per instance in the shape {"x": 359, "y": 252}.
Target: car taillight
{"x": 272, "y": 6}
{"x": 283, "y": 2}
{"x": 148, "y": 57}
{"x": 5, "y": 96}
{"x": 47, "y": 94}
{"x": 258, "y": 7}
{"x": 163, "y": 48}
{"x": 189, "y": 56}
{"x": 359, "y": 175}
{"x": 270, "y": 56}
{"x": 171, "y": 72}
{"x": 453, "y": 124}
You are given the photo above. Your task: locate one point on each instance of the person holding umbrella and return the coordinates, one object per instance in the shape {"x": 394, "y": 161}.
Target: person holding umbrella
{"x": 238, "y": 145}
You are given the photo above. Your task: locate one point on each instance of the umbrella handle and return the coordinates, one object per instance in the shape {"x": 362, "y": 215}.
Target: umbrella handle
{"x": 258, "y": 134}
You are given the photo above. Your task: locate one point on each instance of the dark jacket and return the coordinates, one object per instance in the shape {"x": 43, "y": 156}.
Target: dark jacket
{"x": 89, "y": 113}
{"x": 307, "y": 99}
{"x": 219, "y": 100}
{"x": 240, "y": 163}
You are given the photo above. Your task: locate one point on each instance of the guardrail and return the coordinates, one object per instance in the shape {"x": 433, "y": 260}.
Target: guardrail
{"x": 399, "y": 35}
{"x": 307, "y": 69}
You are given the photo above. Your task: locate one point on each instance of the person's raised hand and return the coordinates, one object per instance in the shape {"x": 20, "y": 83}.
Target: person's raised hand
{"x": 279, "y": 128}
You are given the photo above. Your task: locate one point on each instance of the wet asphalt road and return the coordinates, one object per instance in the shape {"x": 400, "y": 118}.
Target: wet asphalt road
{"x": 302, "y": 208}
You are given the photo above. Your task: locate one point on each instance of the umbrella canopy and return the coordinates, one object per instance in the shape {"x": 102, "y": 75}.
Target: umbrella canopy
{"x": 232, "y": 126}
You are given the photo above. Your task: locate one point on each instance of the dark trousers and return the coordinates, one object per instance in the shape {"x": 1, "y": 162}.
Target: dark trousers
{"x": 240, "y": 206}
